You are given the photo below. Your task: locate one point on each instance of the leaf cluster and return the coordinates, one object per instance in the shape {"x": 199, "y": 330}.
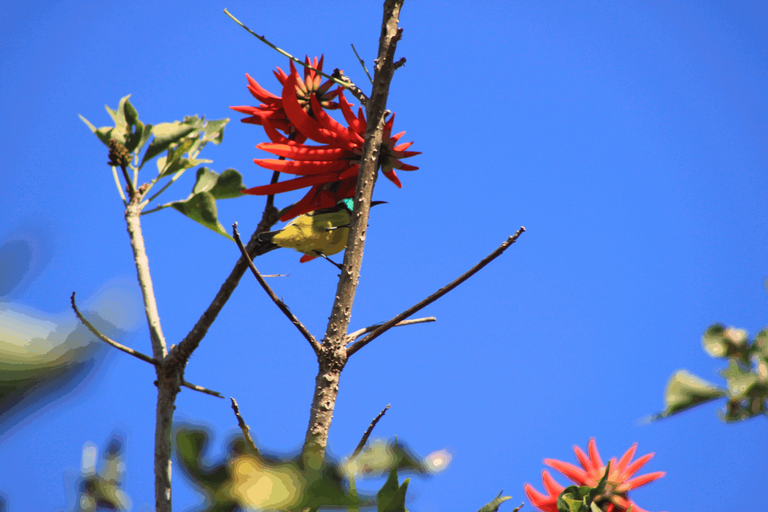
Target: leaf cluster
{"x": 746, "y": 376}
{"x": 176, "y": 146}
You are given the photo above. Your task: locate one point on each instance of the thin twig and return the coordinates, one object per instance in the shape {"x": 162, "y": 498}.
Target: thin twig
{"x": 352, "y": 337}
{"x": 245, "y": 428}
{"x": 362, "y": 63}
{"x": 119, "y": 187}
{"x": 105, "y": 339}
{"x": 283, "y": 52}
{"x": 202, "y": 389}
{"x": 432, "y": 298}
{"x": 355, "y": 90}
{"x": 368, "y": 431}
{"x": 280, "y": 304}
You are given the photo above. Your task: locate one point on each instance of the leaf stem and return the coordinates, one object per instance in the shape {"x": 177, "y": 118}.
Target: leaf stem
{"x": 119, "y": 187}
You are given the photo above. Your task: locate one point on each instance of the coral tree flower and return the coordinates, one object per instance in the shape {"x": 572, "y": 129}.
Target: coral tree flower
{"x": 330, "y": 169}
{"x": 271, "y": 107}
{"x": 620, "y": 480}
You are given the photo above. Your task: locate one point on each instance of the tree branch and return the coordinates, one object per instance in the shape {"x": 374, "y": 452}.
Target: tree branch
{"x": 432, "y": 298}
{"x": 371, "y": 328}
{"x": 201, "y": 389}
{"x": 133, "y": 221}
{"x": 280, "y": 304}
{"x": 105, "y": 339}
{"x": 245, "y": 428}
{"x": 333, "y": 356}
{"x": 368, "y": 432}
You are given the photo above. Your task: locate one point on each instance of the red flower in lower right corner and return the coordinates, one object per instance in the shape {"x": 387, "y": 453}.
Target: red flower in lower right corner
{"x": 620, "y": 480}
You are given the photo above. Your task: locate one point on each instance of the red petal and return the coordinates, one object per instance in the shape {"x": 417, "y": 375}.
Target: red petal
{"x": 583, "y": 459}
{"x": 622, "y": 465}
{"x": 397, "y": 164}
{"x": 550, "y": 484}
{"x": 594, "y": 454}
{"x": 303, "y": 153}
{"x": 391, "y": 176}
{"x": 307, "y": 258}
{"x": 403, "y": 146}
{"x": 540, "y": 501}
{"x": 294, "y": 184}
{"x": 305, "y": 124}
{"x": 346, "y": 110}
{"x": 352, "y": 171}
{"x": 274, "y": 135}
{"x": 575, "y": 474}
{"x": 640, "y": 481}
{"x": 344, "y": 136}
{"x": 632, "y": 468}
{"x": 259, "y": 92}
{"x": 308, "y": 168}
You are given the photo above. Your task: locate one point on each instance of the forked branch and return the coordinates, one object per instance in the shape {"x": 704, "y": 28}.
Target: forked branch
{"x": 432, "y": 298}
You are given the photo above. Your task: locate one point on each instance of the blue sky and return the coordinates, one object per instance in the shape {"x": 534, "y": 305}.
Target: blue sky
{"x": 629, "y": 138}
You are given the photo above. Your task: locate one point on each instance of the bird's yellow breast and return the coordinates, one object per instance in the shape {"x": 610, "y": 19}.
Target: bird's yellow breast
{"x": 309, "y": 233}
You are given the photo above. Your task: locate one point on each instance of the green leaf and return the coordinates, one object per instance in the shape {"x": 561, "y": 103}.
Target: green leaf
{"x": 102, "y": 133}
{"x": 493, "y": 506}
{"x": 391, "y": 497}
{"x": 760, "y": 345}
{"x": 715, "y": 342}
{"x": 213, "y": 131}
{"x": 686, "y": 390}
{"x": 201, "y": 208}
{"x": 167, "y": 134}
{"x": 740, "y": 381}
{"x": 118, "y": 116}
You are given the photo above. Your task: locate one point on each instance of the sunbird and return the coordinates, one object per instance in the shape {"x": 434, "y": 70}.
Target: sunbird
{"x": 320, "y": 233}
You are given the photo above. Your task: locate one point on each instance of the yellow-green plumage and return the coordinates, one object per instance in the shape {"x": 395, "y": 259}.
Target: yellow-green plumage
{"x": 310, "y": 232}
{"x": 321, "y": 232}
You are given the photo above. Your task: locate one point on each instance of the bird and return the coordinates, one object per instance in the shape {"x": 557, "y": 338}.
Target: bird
{"x": 320, "y": 233}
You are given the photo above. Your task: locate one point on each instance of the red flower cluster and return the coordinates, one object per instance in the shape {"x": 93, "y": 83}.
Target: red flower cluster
{"x": 330, "y": 169}
{"x": 620, "y": 479}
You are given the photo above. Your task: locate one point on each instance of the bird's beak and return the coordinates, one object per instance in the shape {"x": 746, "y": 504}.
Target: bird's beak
{"x": 374, "y": 203}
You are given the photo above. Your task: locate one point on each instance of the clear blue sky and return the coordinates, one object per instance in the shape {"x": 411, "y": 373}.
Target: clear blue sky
{"x": 629, "y": 138}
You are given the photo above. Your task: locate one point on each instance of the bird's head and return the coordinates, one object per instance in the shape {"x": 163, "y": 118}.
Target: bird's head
{"x": 349, "y": 203}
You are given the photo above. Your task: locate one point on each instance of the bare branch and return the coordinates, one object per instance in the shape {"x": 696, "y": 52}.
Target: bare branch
{"x": 371, "y": 328}
{"x": 105, "y": 339}
{"x": 202, "y": 389}
{"x": 133, "y": 222}
{"x": 432, "y": 298}
{"x": 367, "y": 433}
{"x": 280, "y": 304}
{"x": 245, "y": 428}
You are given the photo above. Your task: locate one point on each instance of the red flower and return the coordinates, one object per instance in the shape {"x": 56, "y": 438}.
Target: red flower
{"x": 271, "y": 107}
{"x": 620, "y": 480}
{"x": 330, "y": 169}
